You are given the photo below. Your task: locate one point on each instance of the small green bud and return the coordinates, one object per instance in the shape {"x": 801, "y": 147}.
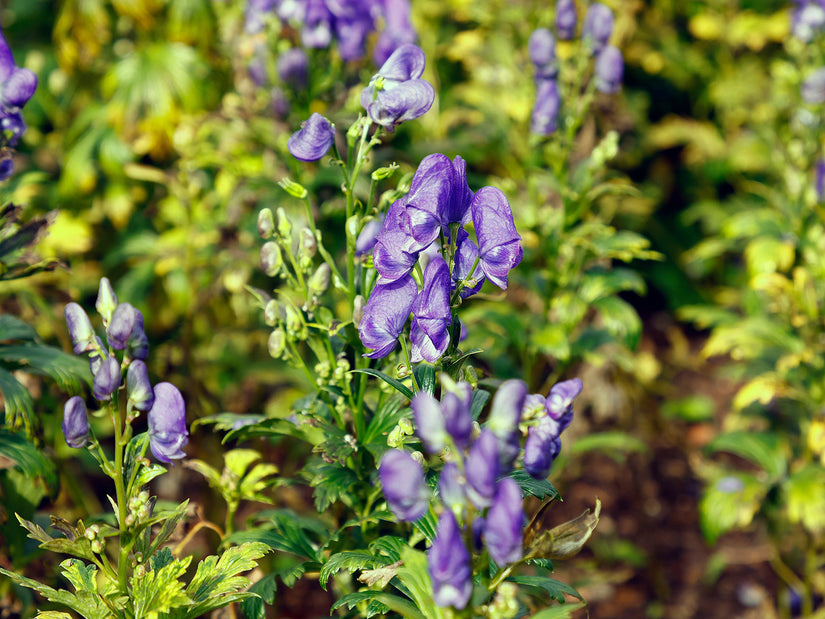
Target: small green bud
{"x": 294, "y": 320}
{"x": 106, "y": 300}
{"x": 358, "y": 310}
{"x": 284, "y": 225}
{"x": 402, "y": 371}
{"x": 294, "y": 189}
{"x": 266, "y": 223}
{"x": 277, "y": 343}
{"x": 97, "y": 546}
{"x": 140, "y": 571}
{"x": 352, "y": 226}
{"x": 271, "y": 313}
{"x": 319, "y": 282}
{"x": 385, "y": 172}
{"x": 271, "y": 259}
{"x": 309, "y": 246}
{"x": 406, "y": 426}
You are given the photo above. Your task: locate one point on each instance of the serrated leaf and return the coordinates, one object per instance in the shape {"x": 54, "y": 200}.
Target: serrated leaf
{"x": 385, "y": 419}
{"x": 350, "y": 560}
{"x": 730, "y": 501}
{"x": 402, "y": 606}
{"x": 804, "y": 492}
{"x": 401, "y": 387}
{"x": 554, "y": 588}
{"x": 286, "y": 532}
{"x": 239, "y": 460}
{"x": 81, "y": 576}
{"x": 87, "y": 604}
{"x": 760, "y": 448}
{"x": 264, "y": 590}
{"x": 389, "y": 545}
{"x": 70, "y": 372}
{"x": 170, "y": 523}
{"x": 212, "y": 475}
{"x": 539, "y": 488}
{"x": 620, "y": 320}
{"x": 27, "y": 458}
{"x": 160, "y": 591}
{"x": 17, "y": 400}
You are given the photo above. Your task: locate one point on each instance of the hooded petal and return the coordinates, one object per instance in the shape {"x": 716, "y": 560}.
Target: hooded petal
{"x": 402, "y": 479}
{"x": 448, "y": 562}
{"x": 167, "y": 424}
{"x": 433, "y": 318}
{"x": 499, "y": 245}
{"x": 75, "y": 422}
{"x": 406, "y": 101}
{"x": 503, "y": 535}
{"x": 386, "y": 314}
{"x": 312, "y": 140}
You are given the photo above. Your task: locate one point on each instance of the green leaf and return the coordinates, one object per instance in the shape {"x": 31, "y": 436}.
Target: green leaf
{"x": 539, "y": 488}
{"x": 350, "y": 560}
{"x": 760, "y": 448}
{"x": 402, "y": 606}
{"x": 170, "y": 523}
{"x": 401, "y": 387}
{"x": 598, "y": 284}
{"x": 615, "y": 444}
{"x": 70, "y": 372}
{"x": 385, "y": 419}
{"x": 415, "y": 577}
{"x": 620, "y": 320}
{"x": 12, "y": 328}
{"x": 87, "y": 604}
{"x": 286, "y": 532}
{"x": 425, "y": 376}
{"x": 554, "y": 588}
{"x": 558, "y": 612}
{"x": 480, "y": 397}
{"x": 27, "y": 458}
{"x": 730, "y": 501}
{"x": 160, "y": 591}
{"x": 18, "y": 401}
{"x": 805, "y": 498}
{"x": 693, "y": 408}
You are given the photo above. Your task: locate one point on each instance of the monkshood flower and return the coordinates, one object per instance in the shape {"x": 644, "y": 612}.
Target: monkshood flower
{"x": 504, "y": 418}
{"x": 385, "y": 315}
{"x": 138, "y": 345}
{"x": 402, "y": 479}
{"x": 430, "y": 333}
{"x": 120, "y": 327}
{"x": 138, "y": 388}
{"x": 351, "y": 30}
{"x": 456, "y": 402}
{"x": 559, "y": 403}
{"x": 448, "y": 562}
{"x": 482, "y": 469}
{"x": 395, "y": 252}
{"x": 107, "y": 378}
{"x": 597, "y": 26}
{"x": 312, "y": 140}
{"x": 545, "y": 117}
{"x": 167, "y": 424}
{"x": 368, "y": 236}
{"x": 542, "y": 50}
{"x": 541, "y": 448}
{"x": 499, "y": 245}
{"x": 398, "y": 30}
{"x": 813, "y": 88}
{"x": 566, "y": 19}
{"x": 609, "y": 70}
{"x": 451, "y": 486}
{"x": 293, "y": 67}
{"x": 503, "y": 535}
{"x": 317, "y": 29}
{"x": 465, "y": 258}
{"x": 17, "y": 85}
{"x": 255, "y": 16}
{"x": 80, "y": 328}
{"x": 807, "y": 19}
{"x": 819, "y": 178}
{"x": 397, "y": 93}
{"x": 106, "y": 300}
{"x": 75, "y": 422}
{"x": 429, "y": 422}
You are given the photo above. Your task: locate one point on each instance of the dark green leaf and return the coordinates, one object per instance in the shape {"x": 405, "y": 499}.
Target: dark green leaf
{"x": 554, "y": 588}
{"x": 401, "y": 387}
{"x": 350, "y": 560}
{"x": 539, "y": 488}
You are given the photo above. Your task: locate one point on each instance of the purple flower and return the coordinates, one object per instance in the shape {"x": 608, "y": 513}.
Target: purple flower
{"x": 559, "y": 403}
{"x": 503, "y": 525}
{"x": 352, "y": 34}
{"x": 448, "y": 562}
{"x": 819, "y": 178}
{"x": 430, "y": 333}
{"x": 455, "y": 406}
{"x": 609, "y": 70}
{"x": 80, "y": 328}
{"x": 167, "y": 424}
{"x": 545, "y": 117}
{"x": 465, "y": 258}
{"x": 107, "y": 379}
{"x": 138, "y": 388}
{"x": 541, "y": 448}
{"x": 293, "y": 67}
{"x": 138, "y": 345}
{"x": 542, "y": 50}
{"x": 398, "y": 29}
{"x": 6, "y": 167}
{"x": 256, "y": 11}
{"x": 368, "y": 236}
{"x": 75, "y": 422}
{"x": 317, "y": 30}
{"x": 97, "y": 355}
{"x": 312, "y": 140}
{"x": 451, "y": 486}
{"x": 385, "y": 315}
{"x": 813, "y": 88}
{"x": 429, "y": 421}
{"x": 566, "y": 19}
{"x": 17, "y": 85}
{"x": 807, "y": 18}
{"x": 402, "y": 479}
{"x": 120, "y": 327}
{"x": 395, "y": 252}
{"x": 482, "y": 468}
{"x": 499, "y": 245}
{"x": 396, "y": 93}
{"x": 597, "y": 26}
{"x": 505, "y": 415}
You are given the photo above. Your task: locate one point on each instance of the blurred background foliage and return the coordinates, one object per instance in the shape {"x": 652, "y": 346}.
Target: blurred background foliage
{"x": 152, "y": 149}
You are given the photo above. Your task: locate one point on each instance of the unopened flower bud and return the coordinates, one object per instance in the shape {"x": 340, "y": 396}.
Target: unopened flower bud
{"x": 358, "y": 310}
{"x": 97, "y": 546}
{"x": 80, "y": 328}
{"x": 402, "y": 479}
{"x": 107, "y": 379}
{"x": 271, "y": 259}
{"x": 294, "y": 320}
{"x": 138, "y": 388}
{"x": 266, "y": 223}
{"x": 319, "y": 282}
{"x": 309, "y": 246}
{"x": 106, "y": 300}
{"x": 75, "y": 422}
{"x": 566, "y": 19}
{"x": 138, "y": 345}
{"x": 276, "y": 343}
{"x": 296, "y": 190}
{"x": 597, "y": 26}
{"x": 609, "y": 70}
{"x": 380, "y": 174}
{"x": 271, "y": 313}
{"x": 120, "y": 326}
{"x": 284, "y": 225}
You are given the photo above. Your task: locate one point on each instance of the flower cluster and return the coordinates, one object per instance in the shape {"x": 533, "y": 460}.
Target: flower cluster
{"x": 17, "y": 85}
{"x": 429, "y": 223}
{"x": 124, "y": 332}
{"x": 808, "y": 19}
{"x": 395, "y": 94}
{"x": 608, "y": 68}
{"x": 349, "y": 23}
{"x": 479, "y": 501}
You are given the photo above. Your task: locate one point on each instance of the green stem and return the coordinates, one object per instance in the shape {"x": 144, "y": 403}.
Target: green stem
{"x": 120, "y": 493}
{"x": 405, "y": 348}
